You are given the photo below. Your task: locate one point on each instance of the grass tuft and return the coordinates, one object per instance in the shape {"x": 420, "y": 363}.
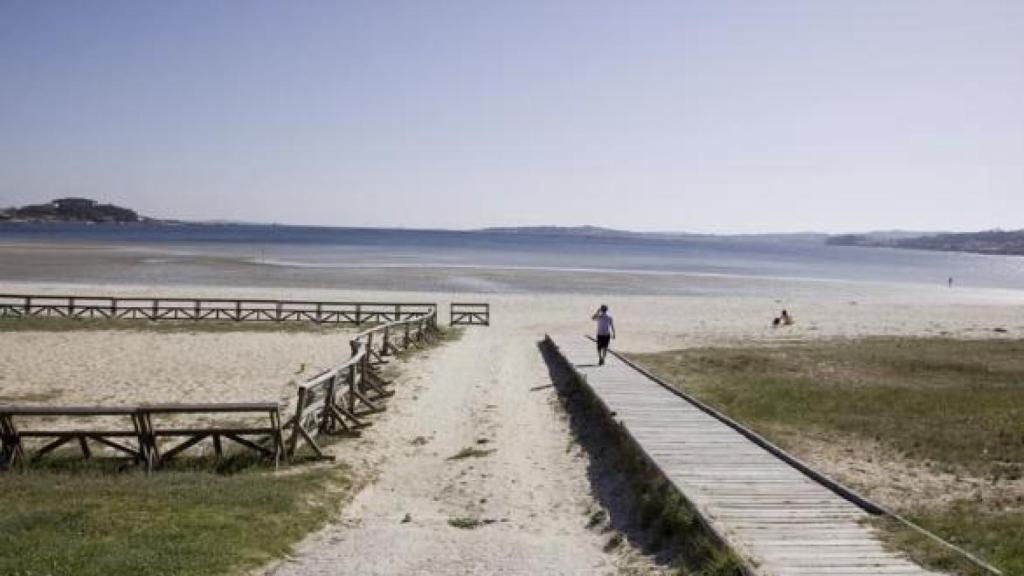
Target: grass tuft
{"x": 472, "y": 452}
{"x": 469, "y": 523}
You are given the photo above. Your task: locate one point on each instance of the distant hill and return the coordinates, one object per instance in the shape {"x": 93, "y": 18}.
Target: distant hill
{"x": 1002, "y": 242}
{"x": 72, "y": 210}
{"x": 599, "y": 232}
{"x": 592, "y": 231}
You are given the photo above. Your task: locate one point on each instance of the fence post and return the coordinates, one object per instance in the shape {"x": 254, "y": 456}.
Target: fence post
{"x": 113, "y": 307}
{"x": 156, "y": 308}
{"x": 359, "y": 314}
{"x": 71, "y": 307}
{"x": 353, "y": 376}
{"x": 28, "y": 305}
{"x": 238, "y": 310}
{"x": 300, "y": 406}
{"x": 365, "y": 364}
{"x": 327, "y": 422}
{"x": 386, "y": 345}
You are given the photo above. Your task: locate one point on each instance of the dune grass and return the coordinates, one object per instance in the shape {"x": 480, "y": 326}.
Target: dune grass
{"x": 84, "y": 518}
{"x": 956, "y": 406}
{"x": 471, "y": 452}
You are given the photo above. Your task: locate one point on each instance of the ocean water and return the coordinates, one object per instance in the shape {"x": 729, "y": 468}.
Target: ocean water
{"x": 472, "y": 261}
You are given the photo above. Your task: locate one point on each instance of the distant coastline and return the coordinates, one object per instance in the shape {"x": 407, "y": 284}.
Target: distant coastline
{"x": 994, "y": 242}
{"x": 74, "y": 210}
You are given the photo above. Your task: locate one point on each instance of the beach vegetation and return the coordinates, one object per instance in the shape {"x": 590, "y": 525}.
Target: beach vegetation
{"x": 471, "y": 452}
{"x": 951, "y": 408}
{"x": 469, "y": 522}
{"x": 31, "y": 396}
{"x": 85, "y": 518}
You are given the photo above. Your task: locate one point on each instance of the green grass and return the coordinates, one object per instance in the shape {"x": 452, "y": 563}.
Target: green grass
{"x": 958, "y": 403}
{"x": 83, "y": 519}
{"x": 994, "y": 536}
{"x": 166, "y": 326}
{"x": 957, "y": 406}
{"x": 469, "y": 523}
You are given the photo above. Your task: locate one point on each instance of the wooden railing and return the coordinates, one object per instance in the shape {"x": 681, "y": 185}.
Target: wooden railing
{"x": 470, "y": 314}
{"x": 335, "y": 400}
{"x": 237, "y": 310}
{"x": 135, "y": 424}
{"x": 332, "y": 402}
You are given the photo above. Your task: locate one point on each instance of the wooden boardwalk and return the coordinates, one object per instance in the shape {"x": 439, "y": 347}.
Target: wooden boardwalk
{"x": 778, "y": 520}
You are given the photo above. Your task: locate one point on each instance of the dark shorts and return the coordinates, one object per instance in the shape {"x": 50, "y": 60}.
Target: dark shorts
{"x": 602, "y": 341}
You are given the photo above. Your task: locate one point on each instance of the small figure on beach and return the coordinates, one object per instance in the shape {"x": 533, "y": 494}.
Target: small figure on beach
{"x": 605, "y": 332}
{"x": 950, "y": 281}
{"x": 783, "y": 319}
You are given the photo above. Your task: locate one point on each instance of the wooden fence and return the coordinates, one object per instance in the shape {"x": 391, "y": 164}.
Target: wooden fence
{"x": 136, "y": 424}
{"x": 114, "y": 308}
{"x": 335, "y": 400}
{"x": 332, "y": 402}
{"x": 470, "y": 314}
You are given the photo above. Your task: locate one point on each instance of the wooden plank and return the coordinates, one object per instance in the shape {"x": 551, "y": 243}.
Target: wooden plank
{"x": 786, "y": 522}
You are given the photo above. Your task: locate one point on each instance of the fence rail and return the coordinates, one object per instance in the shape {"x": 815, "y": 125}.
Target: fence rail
{"x": 470, "y": 314}
{"x": 237, "y": 310}
{"x": 134, "y": 431}
{"x": 332, "y": 402}
{"x": 335, "y": 400}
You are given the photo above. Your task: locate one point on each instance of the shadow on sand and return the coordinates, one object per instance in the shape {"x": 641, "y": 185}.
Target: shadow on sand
{"x": 611, "y": 469}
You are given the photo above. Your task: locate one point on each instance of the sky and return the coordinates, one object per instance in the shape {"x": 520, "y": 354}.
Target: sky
{"x": 716, "y": 116}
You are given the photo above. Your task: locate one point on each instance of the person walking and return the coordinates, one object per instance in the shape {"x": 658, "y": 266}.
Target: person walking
{"x": 605, "y": 332}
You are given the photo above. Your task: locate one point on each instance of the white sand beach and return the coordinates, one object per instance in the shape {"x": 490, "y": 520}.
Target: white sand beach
{"x": 490, "y": 389}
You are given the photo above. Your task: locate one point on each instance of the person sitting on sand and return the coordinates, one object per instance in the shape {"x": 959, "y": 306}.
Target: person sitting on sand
{"x": 605, "y": 332}
{"x": 786, "y": 318}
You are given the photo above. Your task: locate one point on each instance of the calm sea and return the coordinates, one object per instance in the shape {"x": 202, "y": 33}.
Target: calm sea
{"x": 324, "y": 253}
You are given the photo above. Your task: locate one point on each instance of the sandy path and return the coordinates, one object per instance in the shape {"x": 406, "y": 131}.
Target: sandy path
{"x": 533, "y": 486}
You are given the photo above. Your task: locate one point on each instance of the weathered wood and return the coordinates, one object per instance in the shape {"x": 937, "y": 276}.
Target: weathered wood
{"x": 777, "y": 518}
{"x": 238, "y": 310}
{"x": 470, "y": 314}
{"x": 321, "y": 406}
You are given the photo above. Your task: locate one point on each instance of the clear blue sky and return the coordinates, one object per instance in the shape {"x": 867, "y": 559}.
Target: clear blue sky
{"x": 712, "y": 116}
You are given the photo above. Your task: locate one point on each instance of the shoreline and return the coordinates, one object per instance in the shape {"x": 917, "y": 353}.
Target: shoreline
{"x": 506, "y": 270}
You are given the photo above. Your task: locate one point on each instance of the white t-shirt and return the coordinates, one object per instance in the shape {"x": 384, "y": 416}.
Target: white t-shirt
{"x": 604, "y": 324}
